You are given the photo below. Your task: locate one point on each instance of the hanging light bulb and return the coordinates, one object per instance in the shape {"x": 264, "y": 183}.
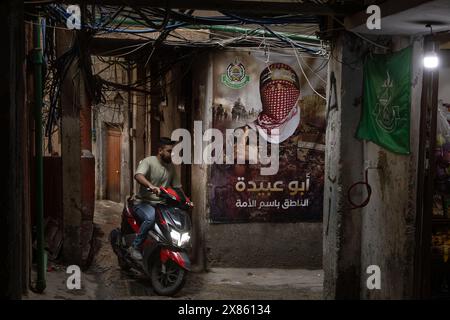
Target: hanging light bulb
{"x": 431, "y": 59}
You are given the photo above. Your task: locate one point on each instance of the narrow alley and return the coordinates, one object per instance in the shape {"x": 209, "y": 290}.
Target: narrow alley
{"x": 104, "y": 280}
{"x": 225, "y": 150}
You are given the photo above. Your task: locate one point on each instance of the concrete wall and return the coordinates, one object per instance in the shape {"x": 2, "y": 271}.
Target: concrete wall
{"x": 382, "y": 233}
{"x": 71, "y": 154}
{"x": 388, "y": 222}
{"x": 265, "y": 245}
{"x": 201, "y": 98}
{"x": 343, "y": 167}
{"x": 290, "y": 245}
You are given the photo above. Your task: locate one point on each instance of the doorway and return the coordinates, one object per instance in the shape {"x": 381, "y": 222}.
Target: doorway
{"x": 113, "y": 163}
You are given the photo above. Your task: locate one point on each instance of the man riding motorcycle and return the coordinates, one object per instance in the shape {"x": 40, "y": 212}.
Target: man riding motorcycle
{"x": 152, "y": 172}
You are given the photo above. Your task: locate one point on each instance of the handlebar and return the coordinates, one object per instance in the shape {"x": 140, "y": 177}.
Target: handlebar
{"x": 148, "y": 189}
{"x": 163, "y": 193}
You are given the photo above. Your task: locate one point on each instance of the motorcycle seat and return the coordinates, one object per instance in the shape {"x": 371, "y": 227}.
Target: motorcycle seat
{"x": 128, "y": 211}
{"x": 131, "y": 202}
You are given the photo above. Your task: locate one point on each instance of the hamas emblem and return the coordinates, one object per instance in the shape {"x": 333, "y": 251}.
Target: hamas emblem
{"x": 386, "y": 115}
{"x": 235, "y": 77}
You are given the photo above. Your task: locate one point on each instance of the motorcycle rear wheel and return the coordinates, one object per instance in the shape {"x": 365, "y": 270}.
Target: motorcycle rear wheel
{"x": 170, "y": 282}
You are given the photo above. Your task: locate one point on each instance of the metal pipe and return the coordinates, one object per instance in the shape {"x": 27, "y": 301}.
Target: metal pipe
{"x": 41, "y": 282}
{"x": 234, "y": 29}
{"x": 265, "y": 33}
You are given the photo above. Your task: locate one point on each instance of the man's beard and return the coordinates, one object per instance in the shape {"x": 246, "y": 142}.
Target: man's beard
{"x": 167, "y": 159}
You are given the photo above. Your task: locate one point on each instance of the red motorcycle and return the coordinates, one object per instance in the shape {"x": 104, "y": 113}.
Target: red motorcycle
{"x": 165, "y": 260}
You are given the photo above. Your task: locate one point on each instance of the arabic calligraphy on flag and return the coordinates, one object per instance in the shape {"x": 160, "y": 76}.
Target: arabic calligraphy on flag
{"x": 386, "y": 103}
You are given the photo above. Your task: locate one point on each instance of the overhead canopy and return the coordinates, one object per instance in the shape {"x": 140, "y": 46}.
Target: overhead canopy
{"x": 405, "y": 18}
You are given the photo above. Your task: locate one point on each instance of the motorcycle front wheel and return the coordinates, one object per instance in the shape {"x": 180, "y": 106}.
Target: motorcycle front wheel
{"x": 169, "y": 281}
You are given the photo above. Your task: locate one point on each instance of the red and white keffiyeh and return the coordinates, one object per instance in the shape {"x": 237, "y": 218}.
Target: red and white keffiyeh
{"x": 279, "y": 90}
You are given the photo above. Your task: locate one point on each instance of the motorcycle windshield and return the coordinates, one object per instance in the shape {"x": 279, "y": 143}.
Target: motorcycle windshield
{"x": 176, "y": 218}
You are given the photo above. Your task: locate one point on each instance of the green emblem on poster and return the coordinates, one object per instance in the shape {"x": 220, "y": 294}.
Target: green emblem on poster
{"x": 235, "y": 77}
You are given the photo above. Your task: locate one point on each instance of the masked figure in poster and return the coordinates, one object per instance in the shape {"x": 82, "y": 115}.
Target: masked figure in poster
{"x": 280, "y": 115}
{"x": 276, "y": 127}
{"x": 280, "y": 91}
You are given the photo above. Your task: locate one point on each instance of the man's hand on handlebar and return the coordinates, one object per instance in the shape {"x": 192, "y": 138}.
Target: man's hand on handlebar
{"x": 154, "y": 190}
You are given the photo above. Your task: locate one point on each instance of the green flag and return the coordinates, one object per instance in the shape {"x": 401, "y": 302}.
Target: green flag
{"x": 386, "y": 102}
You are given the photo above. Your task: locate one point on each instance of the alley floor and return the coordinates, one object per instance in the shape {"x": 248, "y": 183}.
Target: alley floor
{"x": 105, "y": 280}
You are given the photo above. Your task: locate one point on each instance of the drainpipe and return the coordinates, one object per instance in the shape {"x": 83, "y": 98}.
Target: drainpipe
{"x": 40, "y": 283}
{"x": 130, "y": 136}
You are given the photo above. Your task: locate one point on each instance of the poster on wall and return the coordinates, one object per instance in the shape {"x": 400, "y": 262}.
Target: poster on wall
{"x": 269, "y": 98}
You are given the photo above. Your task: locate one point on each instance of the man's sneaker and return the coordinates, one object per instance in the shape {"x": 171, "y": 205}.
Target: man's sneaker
{"x": 134, "y": 253}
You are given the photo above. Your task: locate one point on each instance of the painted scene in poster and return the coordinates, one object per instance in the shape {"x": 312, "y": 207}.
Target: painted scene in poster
{"x": 240, "y": 193}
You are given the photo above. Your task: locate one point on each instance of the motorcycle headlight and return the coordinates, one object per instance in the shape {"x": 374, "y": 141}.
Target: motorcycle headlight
{"x": 178, "y": 238}
{"x": 185, "y": 237}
